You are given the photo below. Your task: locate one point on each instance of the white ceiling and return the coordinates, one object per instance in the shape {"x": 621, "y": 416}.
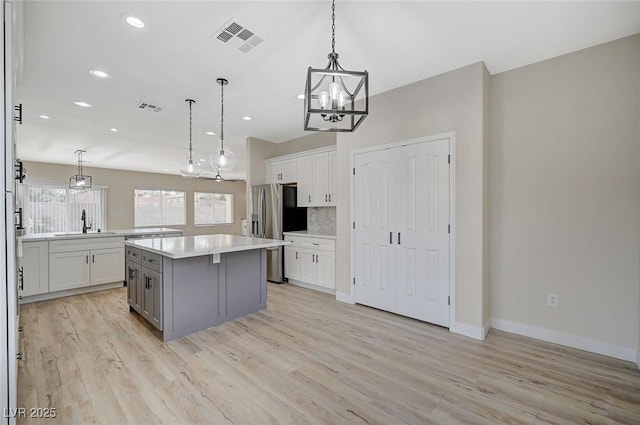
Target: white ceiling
{"x": 175, "y": 57}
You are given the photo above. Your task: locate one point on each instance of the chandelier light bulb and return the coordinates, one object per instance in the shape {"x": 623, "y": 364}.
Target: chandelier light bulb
{"x": 342, "y": 97}
{"x": 324, "y": 99}
{"x": 334, "y": 89}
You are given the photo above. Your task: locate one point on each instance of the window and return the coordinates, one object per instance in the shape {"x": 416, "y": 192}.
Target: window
{"x": 212, "y": 208}
{"x": 56, "y": 208}
{"x": 159, "y": 208}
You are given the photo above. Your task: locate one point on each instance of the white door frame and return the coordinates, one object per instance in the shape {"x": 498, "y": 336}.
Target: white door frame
{"x": 451, "y": 136}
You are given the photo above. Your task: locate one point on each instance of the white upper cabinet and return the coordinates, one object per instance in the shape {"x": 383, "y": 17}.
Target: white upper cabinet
{"x": 305, "y": 181}
{"x": 282, "y": 171}
{"x": 313, "y": 171}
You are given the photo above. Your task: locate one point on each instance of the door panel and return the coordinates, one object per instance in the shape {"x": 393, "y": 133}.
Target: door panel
{"x": 325, "y": 267}
{"x": 320, "y": 179}
{"x": 307, "y": 265}
{"x": 305, "y": 181}
{"x": 424, "y": 249}
{"x": 107, "y": 265}
{"x": 374, "y": 262}
{"x": 68, "y": 270}
{"x": 401, "y": 239}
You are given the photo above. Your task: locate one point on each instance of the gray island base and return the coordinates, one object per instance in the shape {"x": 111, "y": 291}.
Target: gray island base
{"x": 187, "y": 284}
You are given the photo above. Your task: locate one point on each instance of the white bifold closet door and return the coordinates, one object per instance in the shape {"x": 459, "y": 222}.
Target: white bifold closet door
{"x": 401, "y": 254}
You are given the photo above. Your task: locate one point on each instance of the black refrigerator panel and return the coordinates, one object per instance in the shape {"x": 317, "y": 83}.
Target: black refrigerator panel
{"x": 293, "y": 217}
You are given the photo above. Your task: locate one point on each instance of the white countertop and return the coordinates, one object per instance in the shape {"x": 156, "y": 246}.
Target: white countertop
{"x": 195, "y": 246}
{"x": 106, "y": 233}
{"x": 310, "y": 234}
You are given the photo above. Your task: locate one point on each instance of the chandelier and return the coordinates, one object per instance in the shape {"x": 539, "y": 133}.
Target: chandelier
{"x": 335, "y": 99}
{"x": 223, "y": 159}
{"x": 80, "y": 180}
{"x": 189, "y": 167}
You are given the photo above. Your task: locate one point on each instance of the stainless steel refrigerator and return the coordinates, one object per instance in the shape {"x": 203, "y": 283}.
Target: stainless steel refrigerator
{"x": 9, "y": 307}
{"x": 274, "y": 210}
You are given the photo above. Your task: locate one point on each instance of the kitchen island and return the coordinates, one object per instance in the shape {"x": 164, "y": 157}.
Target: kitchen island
{"x": 185, "y": 284}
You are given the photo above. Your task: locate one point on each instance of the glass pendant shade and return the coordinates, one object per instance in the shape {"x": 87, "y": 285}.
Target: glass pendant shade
{"x": 223, "y": 159}
{"x": 80, "y": 180}
{"x": 190, "y": 168}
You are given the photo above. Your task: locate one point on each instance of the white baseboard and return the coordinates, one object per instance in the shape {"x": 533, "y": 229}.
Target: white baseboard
{"x": 312, "y": 286}
{"x": 581, "y": 343}
{"x": 343, "y": 297}
{"x": 475, "y": 332}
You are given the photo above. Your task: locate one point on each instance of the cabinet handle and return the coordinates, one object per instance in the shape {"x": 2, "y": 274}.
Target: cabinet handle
{"x": 325, "y": 198}
{"x": 93, "y": 258}
{"x": 21, "y": 277}
{"x": 296, "y": 255}
{"x": 87, "y": 259}
{"x": 329, "y": 197}
{"x": 390, "y": 237}
{"x": 150, "y": 285}
{"x": 398, "y": 238}
{"x": 309, "y": 198}
{"x": 18, "y": 117}
{"x": 315, "y": 243}
{"x": 317, "y": 259}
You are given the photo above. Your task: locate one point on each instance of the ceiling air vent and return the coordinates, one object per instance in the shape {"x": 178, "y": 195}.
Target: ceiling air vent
{"x": 237, "y": 36}
{"x": 149, "y": 107}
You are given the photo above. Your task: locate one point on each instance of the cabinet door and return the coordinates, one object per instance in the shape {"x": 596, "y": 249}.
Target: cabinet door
{"x": 147, "y": 294}
{"x": 333, "y": 157}
{"x": 325, "y": 269}
{"x": 155, "y": 286}
{"x": 291, "y": 263}
{"x": 107, "y": 265}
{"x": 320, "y": 179}
{"x": 272, "y": 172}
{"x": 288, "y": 171}
{"x": 307, "y": 261}
{"x": 134, "y": 295}
{"x": 69, "y": 270}
{"x": 35, "y": 268}
{"x": 305, "y": 181}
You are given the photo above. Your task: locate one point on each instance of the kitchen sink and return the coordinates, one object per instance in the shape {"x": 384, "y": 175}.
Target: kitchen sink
{"x": 84, "y": 234}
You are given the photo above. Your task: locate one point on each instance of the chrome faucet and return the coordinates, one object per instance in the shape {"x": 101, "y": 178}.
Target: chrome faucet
{"x": 83, "y": 217}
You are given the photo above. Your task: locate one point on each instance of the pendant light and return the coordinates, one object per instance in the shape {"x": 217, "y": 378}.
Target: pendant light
{"x": 223, "y": 159}
{"x": 190, "y": 168}
{"x": 335, "y": 99}
{"x": 80, "y": 180}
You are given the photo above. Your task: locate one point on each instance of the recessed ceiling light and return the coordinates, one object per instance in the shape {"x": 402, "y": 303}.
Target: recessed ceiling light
{"x": 210, "y": 133}
{"x": 113, "y": 129}
{"x": 134, "y": 22}
{"x": 166, "y": 169}
{"x": 300, "y": 96}
{"x": 98, "y": 73}
{"x": 246, "y": 118}
{"x": 45, "y": 117}
{"x": 83, "y": 104}
{"x": 202, "y": 159}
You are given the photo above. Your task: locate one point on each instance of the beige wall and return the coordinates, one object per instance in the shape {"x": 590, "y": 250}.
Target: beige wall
{"x": 565, "y": 193}
{"x": 122, "y": 183}
{"x": 448, "y": 102}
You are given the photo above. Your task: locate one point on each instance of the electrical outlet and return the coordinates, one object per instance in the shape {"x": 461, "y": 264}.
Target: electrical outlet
{"x": 552, "y": 300}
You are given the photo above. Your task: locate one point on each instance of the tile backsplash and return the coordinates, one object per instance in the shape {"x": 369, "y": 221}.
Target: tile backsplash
{"x": 321, "y": 220}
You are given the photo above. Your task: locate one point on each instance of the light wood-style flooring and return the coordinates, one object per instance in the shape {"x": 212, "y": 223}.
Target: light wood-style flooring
{"x": 306, "y": 359}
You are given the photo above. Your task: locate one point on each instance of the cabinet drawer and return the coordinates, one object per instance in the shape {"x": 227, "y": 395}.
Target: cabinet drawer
{"x": 133, "y": 254}
{"x": 295, "y": 240}
{"x": 320, "y": 244}
{"x": 151, "y": 260}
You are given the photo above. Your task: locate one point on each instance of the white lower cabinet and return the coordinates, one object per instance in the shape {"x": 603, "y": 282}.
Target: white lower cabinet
{"x": 310, "y": 260}
{"x": 107, "y": 265}
{"x": 34, "y": 267}
{"x": 77, "y": 263}
{"x": 68, "y": 270}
